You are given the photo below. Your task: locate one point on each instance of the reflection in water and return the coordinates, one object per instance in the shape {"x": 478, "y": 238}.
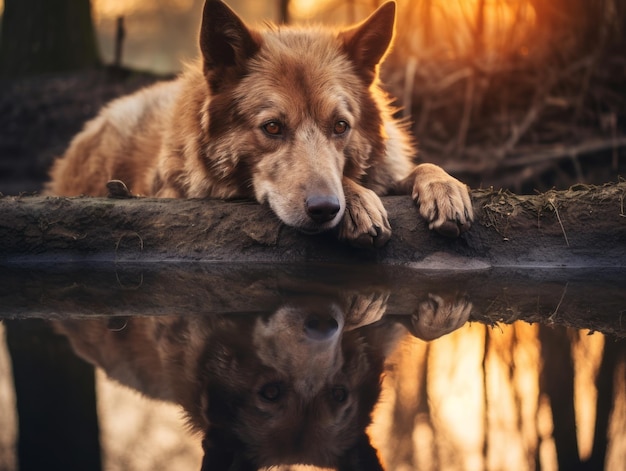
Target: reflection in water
{"x": 280, "y": 366}
{"x": 8, "y": 435}
{"x": 518, "y": 397}
{"x": 292, "y": 386}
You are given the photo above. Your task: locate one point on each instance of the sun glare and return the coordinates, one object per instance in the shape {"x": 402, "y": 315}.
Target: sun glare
{"x": 454, "y": 28}
{"x": 306, "y": 8}
{"x": 438, "y": 28}
{"x": 115, "y": 8}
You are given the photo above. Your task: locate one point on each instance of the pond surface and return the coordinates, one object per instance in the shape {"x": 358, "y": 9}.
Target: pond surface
{"x": 243, "y": 366}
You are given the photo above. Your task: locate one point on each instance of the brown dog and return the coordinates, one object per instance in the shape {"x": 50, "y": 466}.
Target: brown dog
{"x": 293, "y": 117}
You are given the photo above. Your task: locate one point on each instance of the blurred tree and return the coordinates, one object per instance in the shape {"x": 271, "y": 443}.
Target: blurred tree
{"x": 283, "y": 8}
{"x": 577, "y": 27}
{"x": 41, "y": 36}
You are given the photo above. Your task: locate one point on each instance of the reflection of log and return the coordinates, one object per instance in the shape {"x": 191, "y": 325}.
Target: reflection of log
{"x": 579, "y": 298}
{"x": 583, "y": 226}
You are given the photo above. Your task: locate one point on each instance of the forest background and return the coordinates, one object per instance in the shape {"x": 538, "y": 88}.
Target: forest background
{"x": 526, "y": 95}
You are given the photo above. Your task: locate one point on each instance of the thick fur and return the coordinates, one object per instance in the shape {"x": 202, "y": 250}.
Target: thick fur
{"x": 294, "y": 386}
{"x": 292, "y": 117}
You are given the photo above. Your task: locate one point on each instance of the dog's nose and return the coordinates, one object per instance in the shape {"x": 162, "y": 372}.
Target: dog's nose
{"x": 319, "y": 327}
{"x": 322, "y": 208}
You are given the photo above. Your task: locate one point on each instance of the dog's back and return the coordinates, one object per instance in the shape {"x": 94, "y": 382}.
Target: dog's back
{"x": 123, "y": 142}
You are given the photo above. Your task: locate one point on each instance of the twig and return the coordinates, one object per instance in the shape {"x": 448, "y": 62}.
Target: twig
{"x": 530, "y": 156}
{"x": 539, "y": 102}
{"x": 409, "y": 84}
{"x": 452, "y": 78}
{"x": 556, "y": 211}
{"x": 123, "y": 236}
{"x": 467, "y": 113}
{"x": 424, "y": 115}
{"x": 551, "y": 318}
{"x": 561, "y": 152}
{"x": 120, "y": 34}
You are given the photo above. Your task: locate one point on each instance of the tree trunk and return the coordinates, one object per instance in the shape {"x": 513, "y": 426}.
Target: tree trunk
{"x": 570, "y": 26}
{"x": 283, "y": 12}
{"x": 46, "y": 36}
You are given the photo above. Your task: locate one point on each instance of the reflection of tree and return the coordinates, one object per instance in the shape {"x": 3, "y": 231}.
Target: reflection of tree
{"x": 518, "y": 364}
{"x": 606, "y": 385}
{"x": 56, "y": 400}
{"x": 557, "y": 382}
{"x": 411, "y": 409}
{"x": 283, "y": 11}
{"x": 44, "y": 36}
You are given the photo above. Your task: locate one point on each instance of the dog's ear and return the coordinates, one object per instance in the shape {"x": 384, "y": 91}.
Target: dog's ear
{"x": 367, "y": 43}
{"x": 362, "y": 456}
{"x": 226, "y": 44}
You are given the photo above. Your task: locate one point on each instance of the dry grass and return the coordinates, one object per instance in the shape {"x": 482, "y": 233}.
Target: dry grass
{"x": 501, "y": 92}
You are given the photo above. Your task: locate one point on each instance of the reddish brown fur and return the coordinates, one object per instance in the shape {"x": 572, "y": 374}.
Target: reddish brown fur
{"x": 202, "y": 135}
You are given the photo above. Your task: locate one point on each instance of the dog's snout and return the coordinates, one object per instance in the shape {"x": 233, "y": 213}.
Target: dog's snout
{"x": 320, "y": 327}
{"x": 322, "y": 208}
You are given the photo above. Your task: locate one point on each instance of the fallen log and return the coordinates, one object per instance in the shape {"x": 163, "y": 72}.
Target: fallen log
{"x": 584, "y": 226}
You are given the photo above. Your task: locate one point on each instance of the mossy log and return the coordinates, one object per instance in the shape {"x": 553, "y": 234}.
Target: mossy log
{"x": 584, "y": 226}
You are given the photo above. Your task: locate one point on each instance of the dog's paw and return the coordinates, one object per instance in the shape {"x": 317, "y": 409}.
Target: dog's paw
{"x": 365, "y": 222}
{"x": 442, "y": 200}
{"x": 438, "y": 316}
{"x": 365, "y": 309}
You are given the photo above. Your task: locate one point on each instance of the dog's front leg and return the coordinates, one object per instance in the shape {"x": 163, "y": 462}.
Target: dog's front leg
{"x": 364, "y": 223}
{"x": 442, "y": 199}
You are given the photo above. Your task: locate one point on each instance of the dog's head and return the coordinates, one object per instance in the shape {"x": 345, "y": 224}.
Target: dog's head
{"x": 293, "y": 111}
{"x": 291, "y": 388}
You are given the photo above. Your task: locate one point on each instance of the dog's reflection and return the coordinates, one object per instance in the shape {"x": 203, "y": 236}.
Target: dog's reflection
{"x": 295, "y": 386}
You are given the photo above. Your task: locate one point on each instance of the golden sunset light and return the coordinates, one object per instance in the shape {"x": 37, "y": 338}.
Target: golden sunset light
{"x": 307, "y": 235}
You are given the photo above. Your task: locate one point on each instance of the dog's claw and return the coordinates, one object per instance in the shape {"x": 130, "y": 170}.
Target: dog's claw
{"x": 364, "y": 241}
{"x": 450, "y": 229}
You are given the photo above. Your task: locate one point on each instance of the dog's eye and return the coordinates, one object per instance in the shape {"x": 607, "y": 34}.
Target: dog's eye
{"x": 273, "y": 128}
{"x": 339, "y": 393}
{"x": 271, "y": 392}
{"x": 340, "y": 127}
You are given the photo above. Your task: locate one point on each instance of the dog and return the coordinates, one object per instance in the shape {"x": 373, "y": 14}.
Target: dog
{"x": 294, "y": 385}
{"x": 293, "y": 117}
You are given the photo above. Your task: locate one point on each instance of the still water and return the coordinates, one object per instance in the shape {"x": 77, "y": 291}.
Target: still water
{"x": 241, "y": 366}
